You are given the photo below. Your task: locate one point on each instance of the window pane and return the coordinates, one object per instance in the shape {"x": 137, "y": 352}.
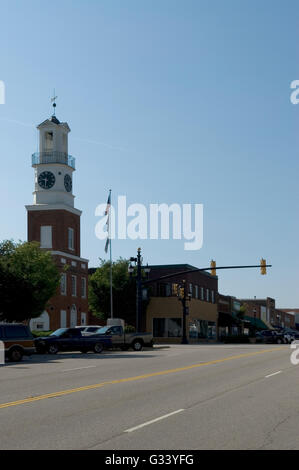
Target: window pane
{"x": 174, "y": 327}
{"x": 159, "y": 327}
{"x": 83, "y": 287}
{"x": 63, "y": 284}
{"x": 71, "y": 238}
{"x": 15, "y": 332}
{"x": 46, "y": 236}
{"x": 74, "y": 285}
{"x": 167, "y": 327}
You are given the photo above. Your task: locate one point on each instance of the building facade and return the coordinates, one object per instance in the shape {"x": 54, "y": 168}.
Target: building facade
{"x": 54, "y": 222}
{"x": 230, "y": 318}
{"x": 164, "y": 315}
{"x": 295, "y": 313}
{"x": 264, "y": 310}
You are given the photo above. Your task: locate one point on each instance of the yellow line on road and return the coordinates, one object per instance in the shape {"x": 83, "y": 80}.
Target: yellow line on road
{"x": 131, "y": 379}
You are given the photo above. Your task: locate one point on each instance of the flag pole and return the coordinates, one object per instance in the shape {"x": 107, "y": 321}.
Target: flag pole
{"x": 111, "y": 294}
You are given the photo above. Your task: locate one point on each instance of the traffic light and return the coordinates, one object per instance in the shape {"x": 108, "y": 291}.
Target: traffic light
{"x": 182, "y": 292}
{"x": 263, "y": 266}
{"x": 175, "y": 290}
{"x": 213, "y": 267}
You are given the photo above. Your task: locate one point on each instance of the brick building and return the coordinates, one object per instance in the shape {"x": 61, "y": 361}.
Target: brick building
{"x": 230, "y": 319}
{"x": 295, "y": 313}
{"x": 164, "y": 313}
{"x": 54, "y": 222}
{"x": 266, "y": 311}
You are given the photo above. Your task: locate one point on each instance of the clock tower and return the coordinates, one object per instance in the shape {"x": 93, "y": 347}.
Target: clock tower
{"x": 54, "y": 222}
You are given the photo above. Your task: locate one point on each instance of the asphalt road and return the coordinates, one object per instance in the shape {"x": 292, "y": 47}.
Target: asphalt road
{"x": 178, "y": 397}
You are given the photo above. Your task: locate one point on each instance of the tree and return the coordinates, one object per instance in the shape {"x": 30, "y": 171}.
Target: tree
{"x": 28, "y": 279}
{"x": 123, "y": 289}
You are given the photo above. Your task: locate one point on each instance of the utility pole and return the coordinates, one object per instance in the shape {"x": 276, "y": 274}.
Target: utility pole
{"x": 139, "y": 283}
{"x": 181, "y": 291}
{"x": 138, "y": 291}
{"x": 184, "y": 300}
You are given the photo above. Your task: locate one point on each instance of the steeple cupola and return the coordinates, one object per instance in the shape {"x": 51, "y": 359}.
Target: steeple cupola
{"x": 53, "y": 165}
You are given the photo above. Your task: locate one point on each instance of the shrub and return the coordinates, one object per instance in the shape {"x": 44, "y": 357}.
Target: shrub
{"x": 37, "y": 334}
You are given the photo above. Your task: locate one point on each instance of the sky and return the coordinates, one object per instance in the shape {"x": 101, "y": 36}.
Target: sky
{"x": 168, "y": 101}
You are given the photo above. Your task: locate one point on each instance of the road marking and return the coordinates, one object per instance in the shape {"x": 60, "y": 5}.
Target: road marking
{"x": 153, "y": 421}
{"x": 274, "y": 373}
{"x": 78, "y": 368}
{"x": 132, "y": 379}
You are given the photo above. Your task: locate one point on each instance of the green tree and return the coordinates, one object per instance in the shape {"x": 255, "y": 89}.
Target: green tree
{"x": 28, "y": 279}
{"x": 123, "y": 289}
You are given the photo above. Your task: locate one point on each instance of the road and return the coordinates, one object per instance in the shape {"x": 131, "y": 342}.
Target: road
{"x": 176, "y": 397}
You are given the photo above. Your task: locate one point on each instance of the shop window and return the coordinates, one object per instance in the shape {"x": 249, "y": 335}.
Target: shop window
{"x": 167, "y": 327}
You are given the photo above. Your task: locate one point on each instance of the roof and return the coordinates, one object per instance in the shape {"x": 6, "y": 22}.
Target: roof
{"x": 53, "y": 120}
{"x": 171, "y": 266}
{"x": 180, "y": 268}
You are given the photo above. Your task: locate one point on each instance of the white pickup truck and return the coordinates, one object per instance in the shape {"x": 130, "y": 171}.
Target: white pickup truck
{"x": 120, "y": 339}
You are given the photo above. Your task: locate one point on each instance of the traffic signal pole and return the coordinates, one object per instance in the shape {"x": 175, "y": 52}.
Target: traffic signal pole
{"x": 213, "y": 268}
{"x": 180, "y": 273}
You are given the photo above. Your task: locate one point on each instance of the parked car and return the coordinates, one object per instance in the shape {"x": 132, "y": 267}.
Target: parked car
{"x": 272, "y": 336}
{"x": 120, "y": 339}
{"x": 290, "y": 334}
{"x": 70, "y": 339}
{"x": 18, "y": 341}
{"x": 88, "y": 330}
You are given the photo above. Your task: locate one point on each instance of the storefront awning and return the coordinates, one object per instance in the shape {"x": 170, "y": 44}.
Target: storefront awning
{"x": 256, "y": 322}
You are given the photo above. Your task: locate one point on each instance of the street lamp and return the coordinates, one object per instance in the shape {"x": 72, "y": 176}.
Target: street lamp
{"x": 140, "y": 268}
{"x": 254, "y": 314}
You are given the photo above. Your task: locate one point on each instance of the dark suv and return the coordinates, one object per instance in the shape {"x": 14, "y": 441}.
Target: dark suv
{"x": 270, "y": 336}
{"x": 17, "y": 339}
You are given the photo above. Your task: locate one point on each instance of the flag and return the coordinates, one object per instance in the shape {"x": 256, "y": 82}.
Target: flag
{"x": 107, "y": 212}
{"x": 108, "y": 204}
{"x": 107, "y": 244}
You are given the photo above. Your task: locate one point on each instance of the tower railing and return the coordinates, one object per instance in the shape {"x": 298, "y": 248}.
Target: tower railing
{"x": 53, "y": 157}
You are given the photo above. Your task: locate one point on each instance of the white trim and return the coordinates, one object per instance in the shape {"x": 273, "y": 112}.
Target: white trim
{"x": 67, "y": 255}
{"x": 52, "y": 192}
{"x": 53, "y": 207}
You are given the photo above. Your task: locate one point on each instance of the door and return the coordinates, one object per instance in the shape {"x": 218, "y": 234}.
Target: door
{"x": 117, "y": 335}
{"x": 62, "y": 318}
{"x": 73, "y": 321}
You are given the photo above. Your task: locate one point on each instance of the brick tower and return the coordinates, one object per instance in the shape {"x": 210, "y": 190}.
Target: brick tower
{"x": 54, "y": 222}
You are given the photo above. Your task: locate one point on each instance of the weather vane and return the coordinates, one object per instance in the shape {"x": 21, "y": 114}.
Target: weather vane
{"x": 53, "y": 100}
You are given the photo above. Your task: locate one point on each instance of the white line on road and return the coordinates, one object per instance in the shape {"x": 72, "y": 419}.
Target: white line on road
{"x": 78, "y": 368}
{"x": 271, "y": 375}
{"x": 153, "y": 421}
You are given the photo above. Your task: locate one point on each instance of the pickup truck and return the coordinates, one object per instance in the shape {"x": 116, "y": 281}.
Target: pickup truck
{"x": 120, "y": 339}
{"x": 70, "y": 339}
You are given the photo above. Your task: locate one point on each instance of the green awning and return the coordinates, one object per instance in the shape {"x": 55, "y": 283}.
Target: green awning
{"x": 256, "y": 322}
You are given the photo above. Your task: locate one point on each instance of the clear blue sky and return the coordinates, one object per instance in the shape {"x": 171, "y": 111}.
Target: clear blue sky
{"x": 168, "y": 101}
